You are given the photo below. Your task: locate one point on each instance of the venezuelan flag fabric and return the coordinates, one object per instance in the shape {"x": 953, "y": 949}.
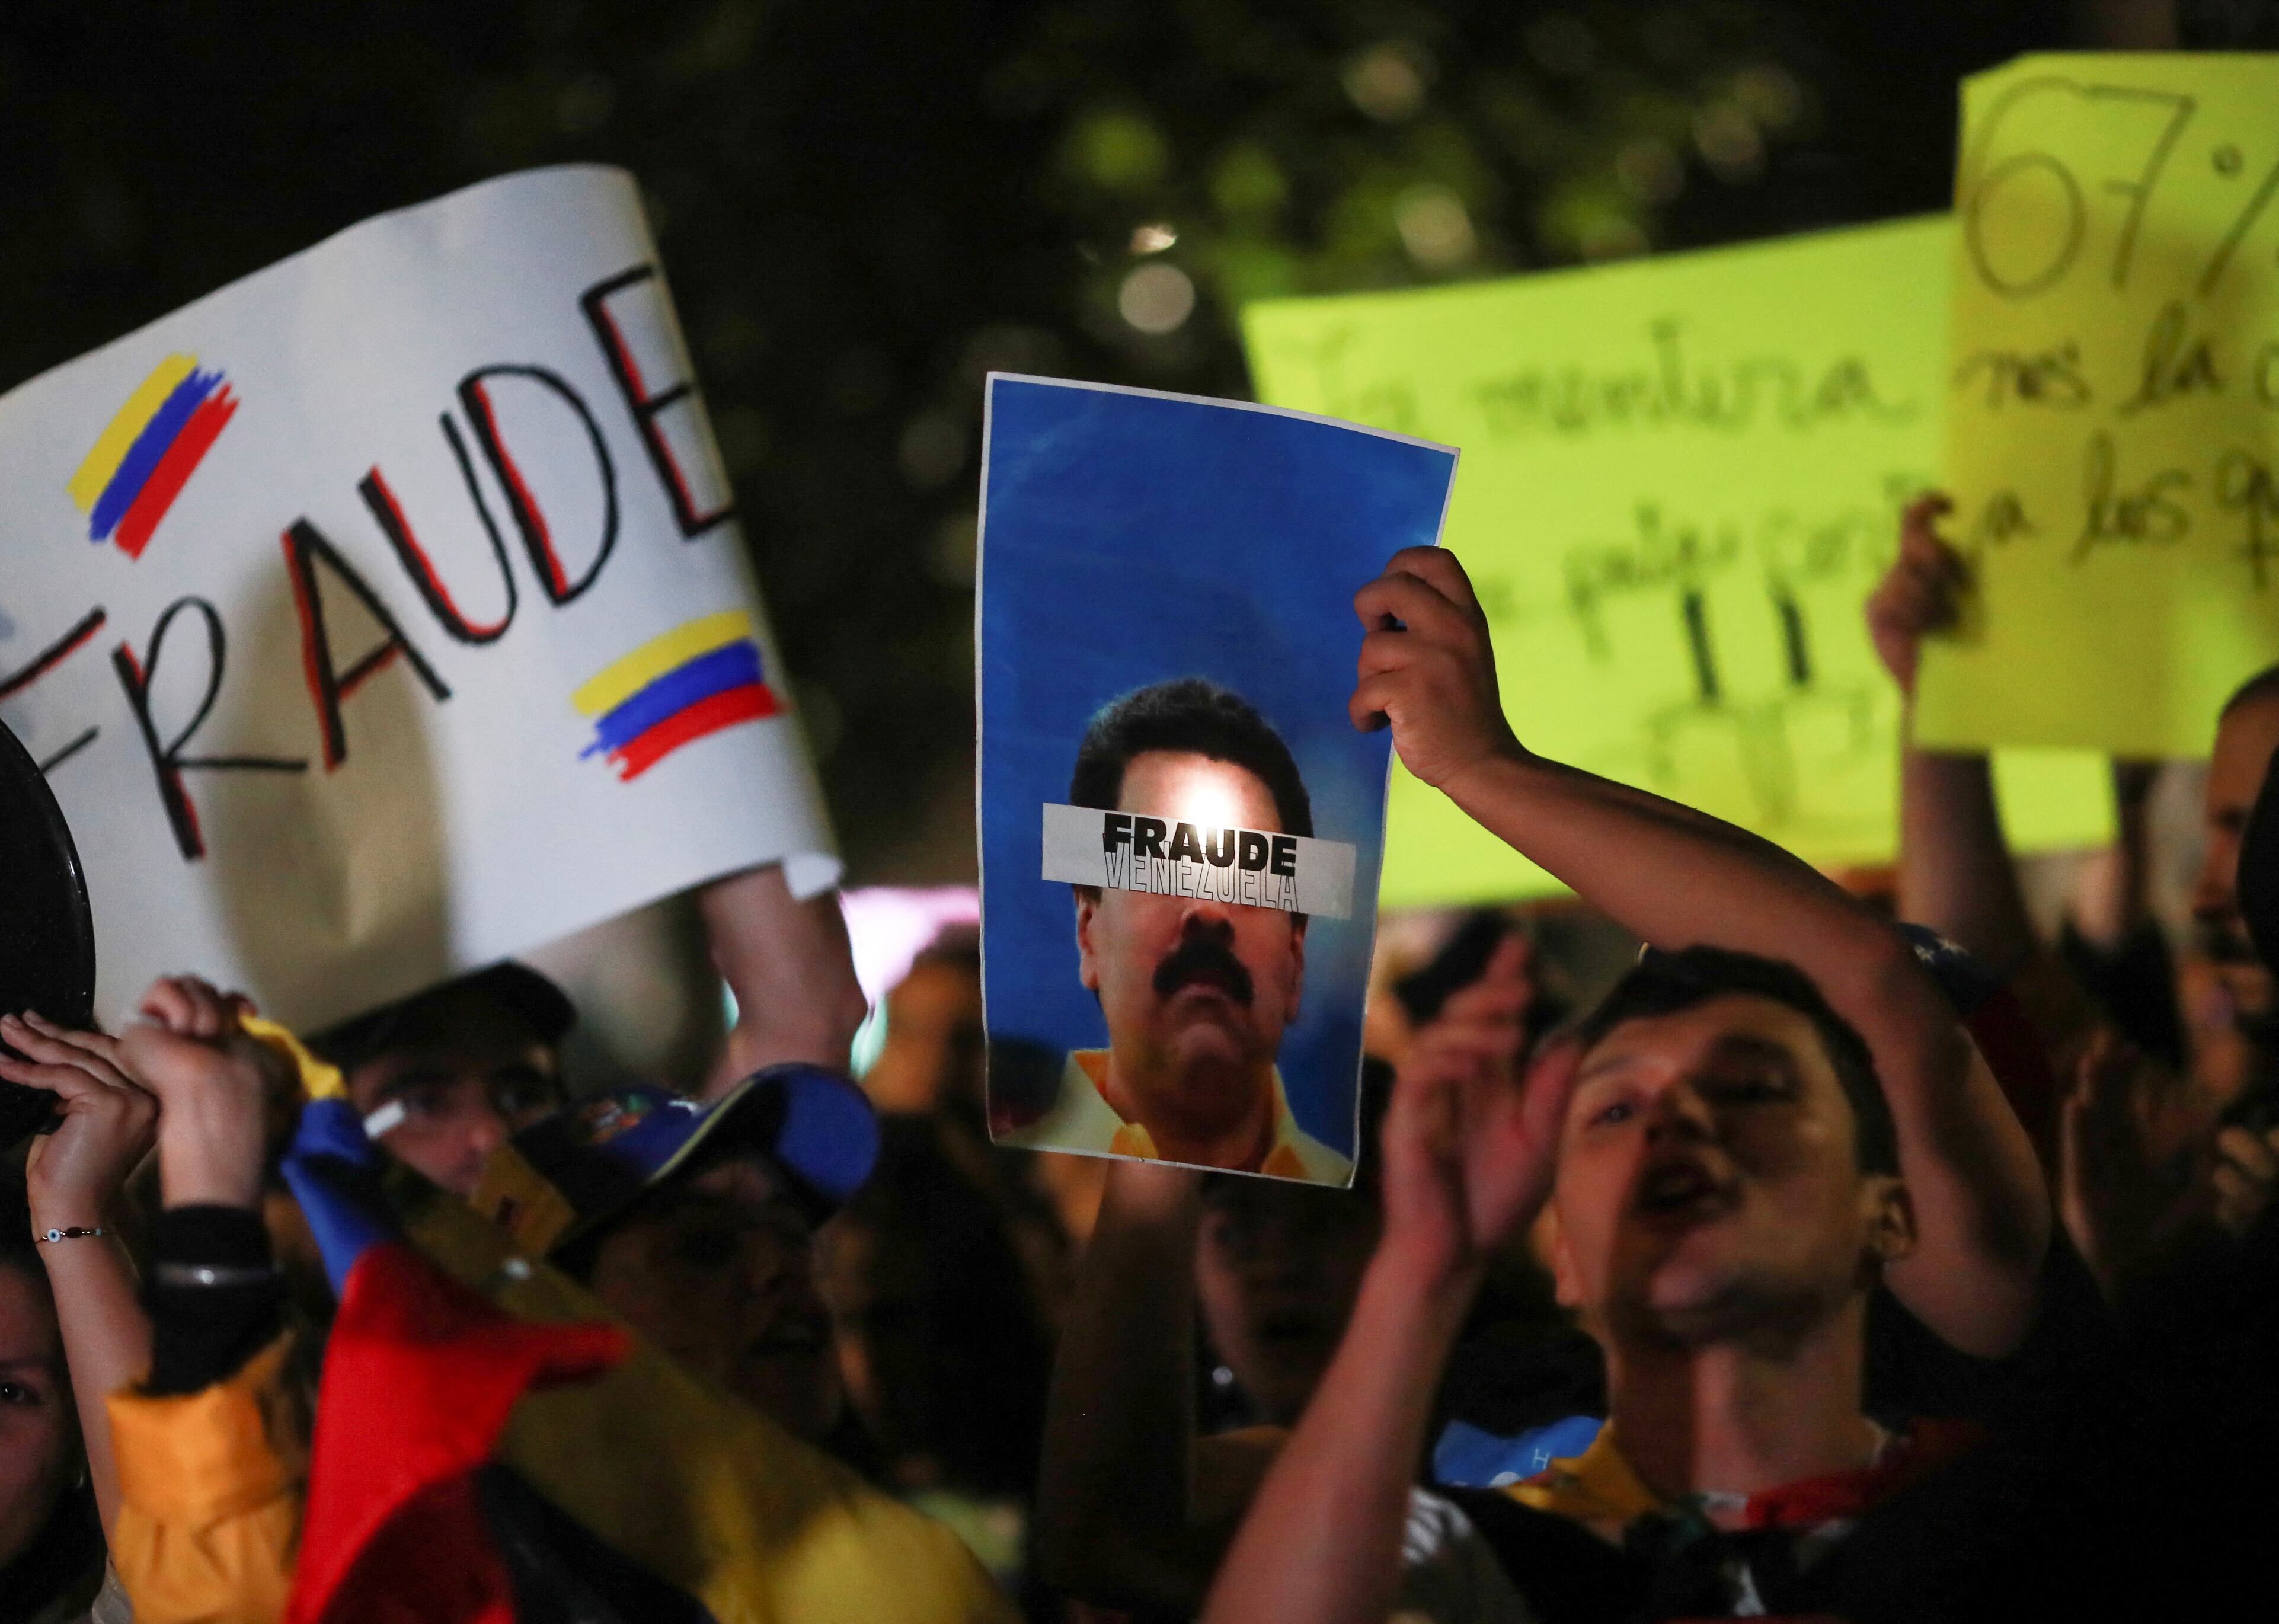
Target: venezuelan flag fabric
{"x": 491, "y": 1449}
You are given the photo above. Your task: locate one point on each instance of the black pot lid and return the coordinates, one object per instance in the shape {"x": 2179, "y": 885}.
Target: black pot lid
{"x": 47, "y": 933}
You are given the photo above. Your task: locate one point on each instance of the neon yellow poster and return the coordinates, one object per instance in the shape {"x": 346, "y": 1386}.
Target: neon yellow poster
{"x": 2113, "y": 416}
{"x": 1681, "y": 478}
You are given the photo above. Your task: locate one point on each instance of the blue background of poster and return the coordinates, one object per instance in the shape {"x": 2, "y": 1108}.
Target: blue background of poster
{"x": 1128, "y": 539}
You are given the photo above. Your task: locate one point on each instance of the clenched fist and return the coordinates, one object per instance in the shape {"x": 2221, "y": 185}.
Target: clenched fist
{"x": 1427, "y": 668}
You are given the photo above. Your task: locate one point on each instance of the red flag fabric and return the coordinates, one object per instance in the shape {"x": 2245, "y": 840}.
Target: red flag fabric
{"x": 420, "y": 1376}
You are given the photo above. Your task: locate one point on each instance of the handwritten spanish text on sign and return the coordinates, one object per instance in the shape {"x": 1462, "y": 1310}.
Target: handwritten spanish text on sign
{"x": 385, "y": 613}
{"x": 1682, "y": 477}
{"x": 2114, "y": 412}
{"x": 1171, "y": 857}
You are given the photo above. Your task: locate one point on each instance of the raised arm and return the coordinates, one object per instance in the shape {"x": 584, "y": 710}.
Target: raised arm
{"x": 790, "y": 967}
{"x": 75, "y": 1176}
{"x": 1955, "y": 872}
{"x": 1677, "y": 878}
{"x": 1113, "y": 1492}
{"x": 1467, "y": 1155}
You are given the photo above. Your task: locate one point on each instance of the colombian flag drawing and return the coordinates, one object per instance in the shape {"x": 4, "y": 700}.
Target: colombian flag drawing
{"x": 147, "y": 453}
{"x": 695, "y": 679}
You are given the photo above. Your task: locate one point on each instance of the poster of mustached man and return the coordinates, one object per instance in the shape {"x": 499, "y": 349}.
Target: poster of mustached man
{"x": 1181, "y": 827}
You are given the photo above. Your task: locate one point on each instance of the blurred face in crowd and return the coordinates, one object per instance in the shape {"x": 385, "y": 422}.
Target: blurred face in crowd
{"x": 2244, "y": 740}
{"x": 933, "y": 1045}
{"x": 1276, "y": 1268}
{"x": 39, "y": 1440}
{"x": 1197, "y": 992}
{"x": 467, "y": 1073}
{"x": 719, "y": 1271}
{"x": 1709, "y": 1186}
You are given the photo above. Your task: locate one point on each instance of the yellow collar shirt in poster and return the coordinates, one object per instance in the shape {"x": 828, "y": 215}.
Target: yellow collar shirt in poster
{"x": 1081, "y": 1120}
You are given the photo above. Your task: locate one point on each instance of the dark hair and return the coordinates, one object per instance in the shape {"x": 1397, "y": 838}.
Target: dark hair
{"x": 1191, "y": 715}
{"x": 1665, "y": 983}
{"x": 2263, "y": 685}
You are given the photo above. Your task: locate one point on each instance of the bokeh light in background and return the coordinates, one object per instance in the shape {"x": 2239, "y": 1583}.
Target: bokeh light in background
{"x": 888, "y": 927}
{"x": 867, "y": 207}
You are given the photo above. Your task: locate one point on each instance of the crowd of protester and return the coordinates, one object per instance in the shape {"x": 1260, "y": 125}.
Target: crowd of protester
{"x": 1848, "y": 1256}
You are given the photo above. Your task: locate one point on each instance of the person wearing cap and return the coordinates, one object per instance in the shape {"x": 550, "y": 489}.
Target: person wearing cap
{"x": 695, "y": 1221}
{"x": 682, "y": 1457}
{"x": 446, "y": 1075}
{"x": 443, "y": 1076}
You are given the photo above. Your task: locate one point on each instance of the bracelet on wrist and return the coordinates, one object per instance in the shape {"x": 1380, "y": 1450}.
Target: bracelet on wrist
{"x": 74, "y": 1232}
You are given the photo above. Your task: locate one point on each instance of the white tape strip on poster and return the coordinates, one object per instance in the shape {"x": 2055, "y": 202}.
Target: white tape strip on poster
{"x": 1169, "y": 857}
{"x": 386, "y": 613}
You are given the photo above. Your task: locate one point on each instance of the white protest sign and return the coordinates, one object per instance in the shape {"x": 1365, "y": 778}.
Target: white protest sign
{"x": 385, "y": 614}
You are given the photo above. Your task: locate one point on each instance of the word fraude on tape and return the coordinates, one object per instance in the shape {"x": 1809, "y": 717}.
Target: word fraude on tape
{"x": 1169, "y": 857}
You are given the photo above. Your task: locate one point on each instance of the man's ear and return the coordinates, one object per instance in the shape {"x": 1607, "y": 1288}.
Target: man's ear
{"x": 1087, "y": 905}
{"x": 1297, "y": 987}
{"x": 1549, "y": 1241}
{"x": 1888, "y": 1215}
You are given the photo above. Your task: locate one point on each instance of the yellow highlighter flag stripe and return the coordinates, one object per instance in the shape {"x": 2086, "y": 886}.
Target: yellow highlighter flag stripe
{"x": 620, "y": 680}
{"x": 117, "y": 437}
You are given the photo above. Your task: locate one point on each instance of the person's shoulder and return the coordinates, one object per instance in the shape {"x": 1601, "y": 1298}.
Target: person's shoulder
{"x": 1316, "y": 1163}
{"x": 1561, "y": 1568}
{"x": 1078, "y": 1120}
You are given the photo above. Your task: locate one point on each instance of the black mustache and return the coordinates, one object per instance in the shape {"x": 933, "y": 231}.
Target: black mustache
{"x": 1201, "y": 956}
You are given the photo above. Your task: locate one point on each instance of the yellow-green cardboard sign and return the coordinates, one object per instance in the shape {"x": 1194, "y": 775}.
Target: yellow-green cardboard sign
{"x": 1680, "y": 480}
{"x": 2113, "y": 413}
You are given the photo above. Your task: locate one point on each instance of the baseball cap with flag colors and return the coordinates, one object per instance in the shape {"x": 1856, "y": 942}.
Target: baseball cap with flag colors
{"x": 573, "y": 1170}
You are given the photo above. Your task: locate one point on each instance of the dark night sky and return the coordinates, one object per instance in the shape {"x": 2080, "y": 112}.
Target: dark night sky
{"x": 866, "y": 204}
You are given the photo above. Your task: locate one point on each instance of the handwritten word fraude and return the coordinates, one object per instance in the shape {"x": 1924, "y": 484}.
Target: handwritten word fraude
{"x": 1169, "y": 857}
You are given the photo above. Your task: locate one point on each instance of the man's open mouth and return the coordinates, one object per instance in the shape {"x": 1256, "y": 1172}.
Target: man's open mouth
{"x": 1679, "y": 1190}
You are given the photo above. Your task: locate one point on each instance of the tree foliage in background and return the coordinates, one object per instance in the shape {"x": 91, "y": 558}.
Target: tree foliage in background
{"x": 866, "y": 205}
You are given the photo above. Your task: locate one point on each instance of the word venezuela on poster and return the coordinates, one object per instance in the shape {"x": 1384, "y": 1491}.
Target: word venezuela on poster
{"x": 385, "y": 613}
{"x": 1180, "y": 826}
{"x": 1682, "y": 479}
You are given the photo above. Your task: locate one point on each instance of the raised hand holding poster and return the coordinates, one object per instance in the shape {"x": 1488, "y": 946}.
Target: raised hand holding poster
{"x": 1682, "y": 479}
{"x": 1180, "y": 827}
{"x": 2113, "y": 401}
{"x": 385, "y": 613}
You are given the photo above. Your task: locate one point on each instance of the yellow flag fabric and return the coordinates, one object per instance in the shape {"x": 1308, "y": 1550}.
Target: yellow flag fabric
{"x": 2113, "y": 409}
{"x": 1681, "y": 478}
{"x": 703, "y": 1491}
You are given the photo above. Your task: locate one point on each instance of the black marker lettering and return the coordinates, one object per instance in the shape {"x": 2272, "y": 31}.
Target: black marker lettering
{"x": 389, "y": 514}
{"x": 646, "y": 406}
{"x": 529, "y": 518}
{"x": 328, "y": 686}
{"x": 167, "y": 760}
